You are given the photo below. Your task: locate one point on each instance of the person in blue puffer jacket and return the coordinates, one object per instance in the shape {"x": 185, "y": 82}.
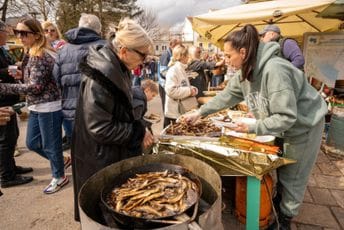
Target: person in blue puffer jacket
{"x": 66, "y": 70}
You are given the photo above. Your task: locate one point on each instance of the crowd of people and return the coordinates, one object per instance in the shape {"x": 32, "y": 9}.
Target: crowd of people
{"x": 97, "y": 91}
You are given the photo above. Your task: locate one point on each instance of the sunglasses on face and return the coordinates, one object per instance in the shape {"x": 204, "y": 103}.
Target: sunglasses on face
{"x": 49, "y": 31}
{"x": 142, "y": 55}
{"x": 22, "y": 33}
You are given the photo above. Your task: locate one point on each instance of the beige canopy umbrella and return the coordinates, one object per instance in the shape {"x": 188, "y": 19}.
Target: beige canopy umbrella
{"x": 294, "y": 17}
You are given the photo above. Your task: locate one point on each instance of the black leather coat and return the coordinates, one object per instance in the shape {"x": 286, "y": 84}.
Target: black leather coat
{"x": 105, "y": 130}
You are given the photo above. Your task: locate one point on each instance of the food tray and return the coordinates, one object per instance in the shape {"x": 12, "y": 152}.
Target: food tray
{"x": 152, "y": 118}
{"x": 163, "y": 135}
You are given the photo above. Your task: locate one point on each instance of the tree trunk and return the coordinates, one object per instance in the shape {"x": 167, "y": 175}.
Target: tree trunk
{"x": 4, "y": 10}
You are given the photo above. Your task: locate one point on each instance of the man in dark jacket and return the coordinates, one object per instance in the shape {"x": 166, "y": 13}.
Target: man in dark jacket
{"x": 199, "y": 66}
{"x": 66, "y": 69}
{"x": 9, "y": 172}
{"x": 290, "y": 50}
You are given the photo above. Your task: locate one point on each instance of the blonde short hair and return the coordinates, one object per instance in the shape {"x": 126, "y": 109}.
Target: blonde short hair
{"x": 47, "y": 24}
{"x": 178, "y": 53}
{"x": 131, "y": 35}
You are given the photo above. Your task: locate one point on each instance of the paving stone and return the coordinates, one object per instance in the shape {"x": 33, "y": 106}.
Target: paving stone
{"x": 308, "y": 227}
{"x": 322, "y": 158}
{"x": 340, "y": 165}
{"x": 330, "y": 182}
{"x": 311, "y": 181}
{"x": 317, "y": 215}
{"x": 322, "y": 196}
{"x": 329, "y": 169}
{"x": 308, "y": 198}
{"x": 339, "y": 214}
{"x": 339, "y": 197}
{"x": 316, "y": 170}
{"x": 230, "y": 222}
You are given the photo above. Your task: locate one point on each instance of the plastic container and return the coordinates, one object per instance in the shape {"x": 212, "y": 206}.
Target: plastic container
{"x": 13, "y": 69}
{"x": 265, "y": 202}
{"x": 336, "y": 129}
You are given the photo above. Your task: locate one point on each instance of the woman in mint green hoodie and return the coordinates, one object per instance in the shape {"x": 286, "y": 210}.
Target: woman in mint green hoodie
{"x": 284, "y": 104}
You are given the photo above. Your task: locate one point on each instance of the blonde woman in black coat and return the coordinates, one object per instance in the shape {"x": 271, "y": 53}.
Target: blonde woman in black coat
{"x": 105, "y": 130}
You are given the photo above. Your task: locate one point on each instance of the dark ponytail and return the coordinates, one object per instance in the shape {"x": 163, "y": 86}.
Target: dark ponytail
{"x": 246, "y": 38}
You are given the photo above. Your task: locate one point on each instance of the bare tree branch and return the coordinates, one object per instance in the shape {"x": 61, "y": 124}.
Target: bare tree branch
{"x": 149, "y": 21}
{"x": 4, "y": 10}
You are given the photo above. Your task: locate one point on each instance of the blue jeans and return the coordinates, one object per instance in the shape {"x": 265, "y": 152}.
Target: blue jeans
{"x": 44, "y": 136}
{"x": 68, "y": 128}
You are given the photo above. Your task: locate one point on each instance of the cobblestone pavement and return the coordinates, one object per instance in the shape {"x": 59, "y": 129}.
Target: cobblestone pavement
{"x": 26, "y": 207}
{"x": 323, "y": 206}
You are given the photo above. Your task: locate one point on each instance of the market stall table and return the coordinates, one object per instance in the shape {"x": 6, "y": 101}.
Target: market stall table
{"x": 228, "y": 161}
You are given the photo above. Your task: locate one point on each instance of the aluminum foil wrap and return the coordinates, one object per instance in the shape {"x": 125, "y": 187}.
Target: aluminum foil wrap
{"x": 227, "y": 161}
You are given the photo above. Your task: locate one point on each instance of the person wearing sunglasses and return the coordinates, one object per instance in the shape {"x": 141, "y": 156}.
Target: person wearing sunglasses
{"x": 44, "y": 133}
{"x": 105, "y": 130}
{"x": 53, "y": 35}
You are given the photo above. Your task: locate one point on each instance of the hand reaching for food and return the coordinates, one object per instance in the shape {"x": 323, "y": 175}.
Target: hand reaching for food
{"x": 190, "y": 118}
{"x": 148, "y": 139}
{"x": 194, "y": 91}
{"x": 240, "y": 127}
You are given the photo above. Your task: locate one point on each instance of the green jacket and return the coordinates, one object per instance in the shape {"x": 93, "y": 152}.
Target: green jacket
{"x": 283, "y": 102}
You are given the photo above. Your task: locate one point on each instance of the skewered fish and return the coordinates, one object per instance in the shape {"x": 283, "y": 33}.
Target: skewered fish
{"x": 154, "y": 195}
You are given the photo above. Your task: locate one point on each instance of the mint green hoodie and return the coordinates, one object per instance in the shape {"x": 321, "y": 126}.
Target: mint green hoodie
{"x": 283, "y": 102}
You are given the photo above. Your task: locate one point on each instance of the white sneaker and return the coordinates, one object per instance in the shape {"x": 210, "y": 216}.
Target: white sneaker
{"x": 56, "y": 184}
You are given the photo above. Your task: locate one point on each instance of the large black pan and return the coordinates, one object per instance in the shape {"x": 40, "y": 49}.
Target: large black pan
{"x": 130, "y": 222}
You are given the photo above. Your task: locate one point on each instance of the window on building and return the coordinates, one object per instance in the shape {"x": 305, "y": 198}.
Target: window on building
{"x": 200, "y": 45}
{"x": 156, "y": 47}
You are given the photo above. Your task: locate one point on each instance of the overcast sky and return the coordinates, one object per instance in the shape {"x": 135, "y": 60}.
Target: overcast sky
{"x": 171, "y": 12}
